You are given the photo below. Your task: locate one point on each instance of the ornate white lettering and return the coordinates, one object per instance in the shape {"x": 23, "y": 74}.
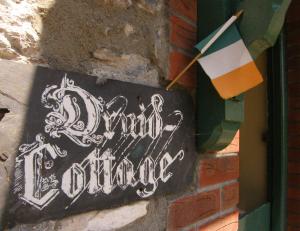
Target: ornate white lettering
{"x": 36, "y": 190}
{"x": 89, "y": 121}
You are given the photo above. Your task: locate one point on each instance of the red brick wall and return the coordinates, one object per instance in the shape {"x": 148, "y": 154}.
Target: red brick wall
{"x": 212, "y": 205}
{"x": 293, "y": 65}
{"x": 183, "y": 34}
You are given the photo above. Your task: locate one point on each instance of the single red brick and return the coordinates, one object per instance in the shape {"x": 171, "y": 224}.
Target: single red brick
{"x": 187, "y": 8}
{"x": 294, "y": 219}
{"x": 294, "y": 90}
{"x": 226, "y": 223}
{"x": 293, "y": 103}
{"x": 293, "y": 228}
{"x": 230, "y": 196}
{"x": 183, "y": 35}
{"x": 234, "y": 146}
{"x": 292, "y": 51}
{"x": 294, "y": 141}
{"x": 293, "y": 193}
{"x": 294, "y": 116}
{"x": 294, "y": 129}
{"x": 291, "y": 26}
{"x": 294, "y": 75}
{"x": 293, "y": 206}
{"x": 293, "y": 63}
{"x": 294, "y": 180}
{"x": 294, "y": 155}
{"x": 293, "y": 12}
{"x": 217, "y": 170}
{"x": 293, "y": 38}
{"x": 294, "y": 167}
{"x": 191, "y": 209}
{"x": 178, "y": 62}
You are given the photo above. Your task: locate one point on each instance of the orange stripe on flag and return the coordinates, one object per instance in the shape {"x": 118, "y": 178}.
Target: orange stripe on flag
{"x": 237, "y": 81}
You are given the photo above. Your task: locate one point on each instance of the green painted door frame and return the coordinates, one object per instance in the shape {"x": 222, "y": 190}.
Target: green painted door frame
{"x": 278, "y": 122}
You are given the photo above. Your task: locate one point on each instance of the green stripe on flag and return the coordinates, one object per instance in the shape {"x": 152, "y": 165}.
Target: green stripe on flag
{"x": 231, "y": 35}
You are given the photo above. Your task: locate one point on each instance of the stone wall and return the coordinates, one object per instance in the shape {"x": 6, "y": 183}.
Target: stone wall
{"x": 103, "y": 38}
{"x": 142, "y": 41}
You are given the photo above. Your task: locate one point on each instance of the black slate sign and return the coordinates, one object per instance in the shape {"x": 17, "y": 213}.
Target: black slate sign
{"x": 88, "y": 146}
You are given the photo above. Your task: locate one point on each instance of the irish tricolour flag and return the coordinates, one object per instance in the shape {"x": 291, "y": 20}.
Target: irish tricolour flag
{"x": 227, "y": 61}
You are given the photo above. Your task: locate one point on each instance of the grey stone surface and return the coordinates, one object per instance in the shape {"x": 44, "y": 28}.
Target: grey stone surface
{"x": 64, "y": 33}
{"x": 154, "y": 221}
{"x": 73, "y": 30}
{"x": 19, "y": 30}
{"x": 151, "y": 6}
{"x": 14, "y": 96}
{"x": 105, "y": 220}
{"x": 124, "y": 67}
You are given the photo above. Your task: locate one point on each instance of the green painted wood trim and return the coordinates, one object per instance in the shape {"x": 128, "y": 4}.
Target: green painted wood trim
{"x": 260, "y": 29}
{"x": 217, "y": 120}
{"x": 257, "y": 220}
{"x": 278, "y": 120}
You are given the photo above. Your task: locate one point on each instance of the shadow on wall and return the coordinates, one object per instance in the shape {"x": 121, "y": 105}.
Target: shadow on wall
{"x": 74, "y": 30}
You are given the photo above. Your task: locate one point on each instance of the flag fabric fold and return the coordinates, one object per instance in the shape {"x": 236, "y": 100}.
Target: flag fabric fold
{"x": 228, "y": 62}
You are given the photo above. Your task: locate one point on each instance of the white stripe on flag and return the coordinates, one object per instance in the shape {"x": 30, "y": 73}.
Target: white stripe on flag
{"x": 225, "y": 60}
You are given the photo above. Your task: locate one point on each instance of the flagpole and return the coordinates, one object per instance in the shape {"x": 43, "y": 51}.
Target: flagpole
{"x": 183, "y": 71}
{"x": 233, "y": 18}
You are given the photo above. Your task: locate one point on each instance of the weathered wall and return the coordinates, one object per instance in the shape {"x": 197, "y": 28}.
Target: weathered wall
{"x": 104, "y": 38}
{"x": 141, "y": 41}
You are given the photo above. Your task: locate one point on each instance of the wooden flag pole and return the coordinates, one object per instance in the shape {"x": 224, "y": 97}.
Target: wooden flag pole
{"x": 183, "y": 71}
{"x": 238, "y": 14}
